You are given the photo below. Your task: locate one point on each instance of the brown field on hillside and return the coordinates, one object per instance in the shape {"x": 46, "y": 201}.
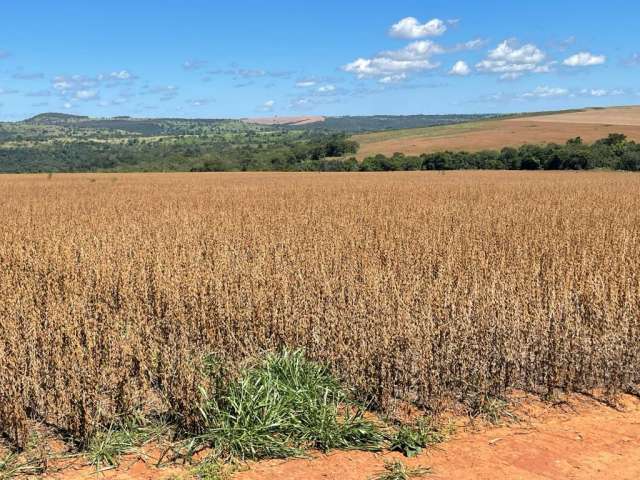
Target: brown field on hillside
{"x": 591, "y": 125}
{"x": 420, "y": 287}
{"x": 600, "y": 116}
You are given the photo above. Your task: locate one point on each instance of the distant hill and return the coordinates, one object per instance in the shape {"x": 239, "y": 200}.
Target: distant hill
{"x": 366, "y": 123}
{"x": 138, "y": 126}
{"x": 52, "y": 118}
{"x": 287, "y": 121}
{"x": 311, "y": 123}
{"x": 378, "y": 123}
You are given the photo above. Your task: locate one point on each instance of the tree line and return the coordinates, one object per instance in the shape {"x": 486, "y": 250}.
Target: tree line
{"x": 310, "y": 152}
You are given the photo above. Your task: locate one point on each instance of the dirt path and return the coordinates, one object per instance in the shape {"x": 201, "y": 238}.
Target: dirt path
{"x": 585, "y": 440}
{"x": 600, "y": 443}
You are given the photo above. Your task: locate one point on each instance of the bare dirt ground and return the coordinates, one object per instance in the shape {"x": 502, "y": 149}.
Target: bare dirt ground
{"x": 609, "y": 116}
{"x": 578, "y": 439}
{"x": 591, "y": 125}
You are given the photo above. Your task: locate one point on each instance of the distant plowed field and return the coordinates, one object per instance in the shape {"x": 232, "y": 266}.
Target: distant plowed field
{"x": 591, "y": 125}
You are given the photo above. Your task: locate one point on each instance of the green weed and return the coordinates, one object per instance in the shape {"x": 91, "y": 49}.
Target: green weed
{"x": 411, "y": 439}
{"x": 281, "y": 407}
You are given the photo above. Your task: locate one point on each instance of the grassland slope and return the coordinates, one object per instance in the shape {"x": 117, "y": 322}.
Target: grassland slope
{"x": 590, "y": 124}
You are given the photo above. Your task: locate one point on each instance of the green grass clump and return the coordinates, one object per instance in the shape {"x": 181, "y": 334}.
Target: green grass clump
{"x": 12, "y": 466}
{"x": 212, "y": 469}
{"x": 399, "y": 471}
{"x": 281, "y": 407}
{"x": 411, "y": 439}
{"x": 107, "y": 446}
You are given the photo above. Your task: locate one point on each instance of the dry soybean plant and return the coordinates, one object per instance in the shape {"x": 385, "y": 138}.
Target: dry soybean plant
{"x": 417, "y": 287}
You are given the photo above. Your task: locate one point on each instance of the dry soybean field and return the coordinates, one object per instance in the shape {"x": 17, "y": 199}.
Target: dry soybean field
{"x": 425, "y": 288}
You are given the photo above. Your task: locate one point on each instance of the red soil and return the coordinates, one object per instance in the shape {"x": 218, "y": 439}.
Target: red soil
{"x": 583, "y": 439}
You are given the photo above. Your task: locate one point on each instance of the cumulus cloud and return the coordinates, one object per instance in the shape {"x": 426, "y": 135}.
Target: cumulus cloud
{"x": 511, "y": 60}
{"x": 83, "y": 87}
{"x": 411, "y": 28}
{"x": 460, "y": 68}
{"x": 65, "y": 84}
{"x": 415, "y": 57}
{"x": 415, "y": 51}
{"x": 584, "y": 59}
{"x": 383, "y": 66}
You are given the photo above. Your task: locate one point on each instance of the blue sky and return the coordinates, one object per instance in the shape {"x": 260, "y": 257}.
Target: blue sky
{"x": 197, "y": 58}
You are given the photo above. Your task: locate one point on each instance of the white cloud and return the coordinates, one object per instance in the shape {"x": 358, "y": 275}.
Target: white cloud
{"x": 415, "y": 57}
{"x": 584, "y": 59}
{"x": 393, "y": 78}
{"x": 510, "y": 52}
{"x": 601, "y": 92}
{"x": 266, "y": 107}
{"x": 546, "y": 92}
{"x": 121, "y": 75}
{"x": 551, "y": 92}
{"x": 67, "y": 105}
{"x": 564, "y": 44}
{"x": 411, "y": 28}
{"x": 62, "y": 85}
{"x": 511, "y": 60}
{"x": 460, "y": 68}
{"x": 301, "y": 104}
{"x": 470, "y": 45}
{"x": 306, "y": 83}
{"x": 200, "y": 102}
{"x": 86, "y": 94}
{"x": 415, "y": 51}
{"x": 327, "y": 89}
{"x": 383, "y": 66}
